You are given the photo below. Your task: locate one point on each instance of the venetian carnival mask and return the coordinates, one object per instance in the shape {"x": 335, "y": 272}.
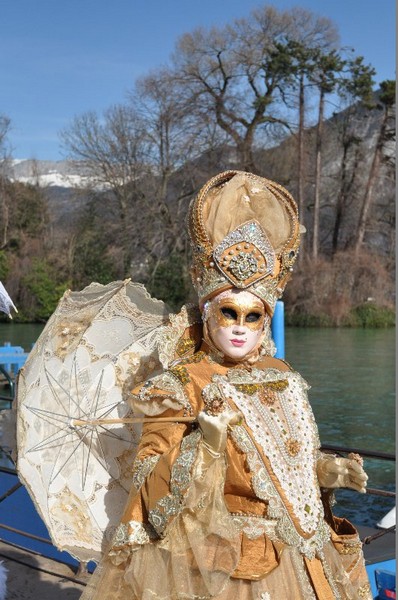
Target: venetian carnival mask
{"x": 235, "y": 321}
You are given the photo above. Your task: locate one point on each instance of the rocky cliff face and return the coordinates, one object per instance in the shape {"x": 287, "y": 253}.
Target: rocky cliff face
{"x": 348, "y": 148}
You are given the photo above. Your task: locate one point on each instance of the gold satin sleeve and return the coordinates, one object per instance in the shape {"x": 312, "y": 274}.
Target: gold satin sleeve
{"x": 163, "y": 440}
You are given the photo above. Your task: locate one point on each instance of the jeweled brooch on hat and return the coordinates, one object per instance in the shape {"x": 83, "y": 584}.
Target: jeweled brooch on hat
{"x": 245, "y": 255}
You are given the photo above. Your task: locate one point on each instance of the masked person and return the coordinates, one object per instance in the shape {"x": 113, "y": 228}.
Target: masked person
{"x": 233, "y": 504}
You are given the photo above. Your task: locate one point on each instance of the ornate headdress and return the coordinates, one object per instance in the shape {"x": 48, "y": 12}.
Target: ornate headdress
{"x": 245, "y": 234}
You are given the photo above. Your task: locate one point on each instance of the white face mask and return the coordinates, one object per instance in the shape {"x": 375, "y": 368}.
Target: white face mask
{"x": 236, "y": 322}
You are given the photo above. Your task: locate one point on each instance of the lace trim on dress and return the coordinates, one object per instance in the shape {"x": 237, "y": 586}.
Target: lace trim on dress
{"x": 254, "y": 527}
{"x": 169, "y": 337}
{"x": 142, "y": 468}
{"x": 127, "y": 538}
{"x": 302, "y": 577}
{"x": 170, "y": 505}
{"x": 149, "y": 402}
{"x": 272, "y": 414}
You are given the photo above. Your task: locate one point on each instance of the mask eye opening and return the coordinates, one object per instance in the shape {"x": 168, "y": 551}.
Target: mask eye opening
{"x": 253, "y": 317}
{"x": 229, "y": 313}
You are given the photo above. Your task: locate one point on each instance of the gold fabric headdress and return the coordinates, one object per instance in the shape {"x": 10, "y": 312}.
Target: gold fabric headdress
{"x": 245, "y": 234}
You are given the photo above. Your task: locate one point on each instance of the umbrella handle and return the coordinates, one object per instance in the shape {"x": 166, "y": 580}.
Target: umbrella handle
{"x": 77, "y": 422}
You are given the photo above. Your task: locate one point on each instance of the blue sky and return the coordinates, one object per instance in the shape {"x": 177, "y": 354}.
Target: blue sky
{"x": 61, "y": 58}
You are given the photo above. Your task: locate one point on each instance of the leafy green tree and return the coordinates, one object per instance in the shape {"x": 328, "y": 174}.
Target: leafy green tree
{"x": 170, "y": 281}
{"x": 42, "y": 290}
{"x": 93, "y": 251}
{"x": 4, "y": 265}
{"x": 355, "y": 85}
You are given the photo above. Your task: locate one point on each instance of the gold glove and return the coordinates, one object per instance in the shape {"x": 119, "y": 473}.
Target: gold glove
{"x": 214, "y": 428}
{"x": 336, "y": 472}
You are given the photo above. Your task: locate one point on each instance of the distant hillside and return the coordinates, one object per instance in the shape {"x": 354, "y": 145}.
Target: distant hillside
{"x": 63, "y": 183}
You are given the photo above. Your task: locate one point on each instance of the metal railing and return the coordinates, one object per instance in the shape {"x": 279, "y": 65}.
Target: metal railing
{"x": 367, "y": 454}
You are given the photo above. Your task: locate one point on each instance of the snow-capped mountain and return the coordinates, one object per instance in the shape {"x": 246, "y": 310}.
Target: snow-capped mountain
{"x": 63, "y": 173}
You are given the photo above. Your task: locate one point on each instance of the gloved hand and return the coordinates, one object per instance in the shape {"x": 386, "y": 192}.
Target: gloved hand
{"x": 336, "y": 472}
{"x": 214, "y": 428}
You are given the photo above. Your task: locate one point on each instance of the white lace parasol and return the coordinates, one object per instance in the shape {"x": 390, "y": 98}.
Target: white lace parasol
{"x": 97, "y": 345}
{"x": 6, "y": 304}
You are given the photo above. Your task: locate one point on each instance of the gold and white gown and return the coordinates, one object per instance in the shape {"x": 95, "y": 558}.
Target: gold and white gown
{"x": 249, "y": 524}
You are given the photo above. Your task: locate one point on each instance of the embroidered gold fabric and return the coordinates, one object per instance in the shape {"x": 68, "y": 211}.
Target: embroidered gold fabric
{"x": 170, "y": 505}
{"x": 142, "y": 468}
{"x": 227, "y": 527}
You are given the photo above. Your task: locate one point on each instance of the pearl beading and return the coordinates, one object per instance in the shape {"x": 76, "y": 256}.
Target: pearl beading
{"x": 297, "y": 475}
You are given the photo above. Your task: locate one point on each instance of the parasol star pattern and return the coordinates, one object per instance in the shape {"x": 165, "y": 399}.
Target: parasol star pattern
{"x": 87, "y": 435}
{"x": 75, "y": 462}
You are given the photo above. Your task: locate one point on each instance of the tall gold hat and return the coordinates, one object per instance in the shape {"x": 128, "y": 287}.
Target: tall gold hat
{"x": 245, "y": 234}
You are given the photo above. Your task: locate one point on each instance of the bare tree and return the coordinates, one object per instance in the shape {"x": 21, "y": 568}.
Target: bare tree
{"x": 5, "y": 127}
{"x": 236, "y": 74}
{"x": 112, "y": 153}
{"x": 130, "y": 156}
{"x": 324, "y": 77}
{"x": 172, "y": 140}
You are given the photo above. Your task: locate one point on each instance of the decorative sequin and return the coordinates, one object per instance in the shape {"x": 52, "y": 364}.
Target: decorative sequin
{"x": 365, "y": 591}
{"x": 266, "y": 396}
{"x": 195, "y": 358}
{"x": 181, "y": 373}
{"x": 213, "y": 399}
{"x": 243, "y": 265}
{"x": 184, "y": 346}
{"x": 293, "y": 446}
{"x": 247, "y": 388}
{"x": 350, "y": 547}
{"x": 132, "y": 533}
{"x": 277, "y": 386}
{"x": 166, "y": 382}
{"x": 142, "y": 468}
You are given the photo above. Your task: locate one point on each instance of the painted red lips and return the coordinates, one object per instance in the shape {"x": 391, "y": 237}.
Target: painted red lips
{"x": 238, "y": 343}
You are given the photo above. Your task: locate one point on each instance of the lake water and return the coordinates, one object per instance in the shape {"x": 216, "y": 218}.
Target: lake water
{"x": 352, "y": 377}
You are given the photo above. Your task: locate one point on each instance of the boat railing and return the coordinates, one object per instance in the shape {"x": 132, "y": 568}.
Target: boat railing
{"x": 12, "y": 358}
{"x": 82, "y": 567}
{"x": 7, "y": 379}
{"x": 342, "y": 450}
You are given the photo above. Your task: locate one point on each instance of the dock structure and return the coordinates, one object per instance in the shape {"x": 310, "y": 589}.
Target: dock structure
{"x": 12, "y": 358}
{"x": 31, "y": 576}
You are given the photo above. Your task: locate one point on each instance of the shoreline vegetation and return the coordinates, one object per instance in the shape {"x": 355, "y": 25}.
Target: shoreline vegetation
{"x": 367, "y": 315}
{"x": 322, "y": 293}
